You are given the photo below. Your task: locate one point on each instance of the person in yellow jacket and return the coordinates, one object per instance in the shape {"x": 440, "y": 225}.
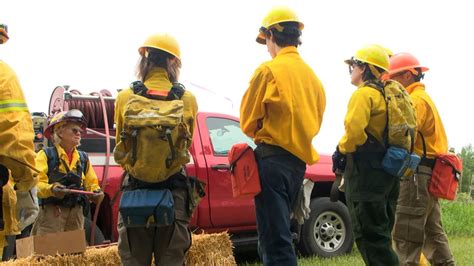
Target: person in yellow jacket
{"x": 158, "y": 68}
{"x": 371, "y": 193}
{"x": 282, "y": 110}
{"x": 64, "y": 167}
{"x": 418, "y": 225}
{"x": 17, "y": 155}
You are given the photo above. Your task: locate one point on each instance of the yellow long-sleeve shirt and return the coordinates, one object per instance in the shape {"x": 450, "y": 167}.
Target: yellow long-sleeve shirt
{"x": 89, "y": 179}
{"x": 428, "y": 122}
{"x": 284, "y": 105}
{"x": 157, "y": 79}
{"x": 366, "y": 113}
{"x": 16, "y": 131}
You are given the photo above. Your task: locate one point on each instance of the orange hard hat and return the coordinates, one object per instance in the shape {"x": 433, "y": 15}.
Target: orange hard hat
{"x": 404, "y": 61}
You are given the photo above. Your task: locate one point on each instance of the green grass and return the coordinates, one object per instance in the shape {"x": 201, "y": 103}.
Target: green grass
{"x": 458, "y": 221}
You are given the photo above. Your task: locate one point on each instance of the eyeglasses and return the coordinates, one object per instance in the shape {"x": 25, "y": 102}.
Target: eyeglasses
{"x": 351, "y": 68}
{"x": 76, "y": 131}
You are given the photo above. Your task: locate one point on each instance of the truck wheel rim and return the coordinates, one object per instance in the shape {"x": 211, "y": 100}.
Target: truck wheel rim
{"x": 329, "y": 231}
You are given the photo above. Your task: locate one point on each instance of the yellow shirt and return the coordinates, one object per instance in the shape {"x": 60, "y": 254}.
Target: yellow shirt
{"x": 157, "y": 79}
{"x": 16, "y": 131}
{"x": 89, "y": 180}
{"x": 428, "y": 122}
{"x": 284, "y": 105}
{"x": 366, "y": 113}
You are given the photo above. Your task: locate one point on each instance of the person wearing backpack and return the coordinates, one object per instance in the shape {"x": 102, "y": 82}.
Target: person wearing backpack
{"x": 371, "y": 192}
{"x": 64, "y": 167}
{"x": 418, "y": 226}
{"x": 155, "y": 121}
{"x": 282, "y": 110}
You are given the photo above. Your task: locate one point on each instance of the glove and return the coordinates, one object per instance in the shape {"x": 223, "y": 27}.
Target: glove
{"x": 58, "y": 190}
{"x": 338, "y": 161}
{"x": 27, "y": 207}
{"x": 97, "y": 197}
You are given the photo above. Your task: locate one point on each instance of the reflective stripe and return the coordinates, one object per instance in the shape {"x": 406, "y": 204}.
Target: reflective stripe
{"x": 13, "y": 105}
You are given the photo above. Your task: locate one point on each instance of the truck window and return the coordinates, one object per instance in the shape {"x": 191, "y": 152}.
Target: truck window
{"x": 224, "y": 133}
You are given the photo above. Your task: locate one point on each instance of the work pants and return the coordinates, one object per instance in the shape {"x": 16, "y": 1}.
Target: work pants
{"x": 55, "y": 218}
{"x": 168, "y": 244}
{"x": 371, "y": 196}
{"x": 281, "y": 177}
{"x": 418, "y": 226}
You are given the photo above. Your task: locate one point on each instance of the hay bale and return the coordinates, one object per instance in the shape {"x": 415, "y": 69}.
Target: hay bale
{"x": 207, "y": 249}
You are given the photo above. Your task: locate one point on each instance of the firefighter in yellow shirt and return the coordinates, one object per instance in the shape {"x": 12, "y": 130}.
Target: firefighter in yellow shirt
{"x": 17, "y": 155}
{"x": 418, "y": 225}
{"x": 371, "y": 193}
{"x": 64, "y": 167}
{"x": 282, "y": 110}
{"x": 158, "y": 69}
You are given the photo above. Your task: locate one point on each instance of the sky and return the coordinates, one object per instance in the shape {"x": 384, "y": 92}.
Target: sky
{"x": 92, "y": 45}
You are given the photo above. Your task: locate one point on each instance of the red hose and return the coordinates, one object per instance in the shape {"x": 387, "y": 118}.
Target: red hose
{"x": 106, "y": 169}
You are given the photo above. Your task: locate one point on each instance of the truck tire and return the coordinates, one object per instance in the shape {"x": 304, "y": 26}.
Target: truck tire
{"x": 98, "y": 235}
{"x": 328, "y": 231}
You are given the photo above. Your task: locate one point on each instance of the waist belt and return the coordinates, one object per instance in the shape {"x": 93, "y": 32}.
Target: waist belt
{"x": 266, "y": 150}
{"x": 428, "y": 162}
{"x": 177, "y": 180}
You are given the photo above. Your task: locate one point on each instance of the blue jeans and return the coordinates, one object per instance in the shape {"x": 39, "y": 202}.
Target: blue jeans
{"x": 281, "y": 177}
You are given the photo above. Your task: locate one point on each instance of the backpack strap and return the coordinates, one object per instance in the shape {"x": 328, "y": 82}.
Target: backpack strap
{"x": 176, "y": 92}
{"x": 53, "y": 159}
{"x": 84, "y": 159}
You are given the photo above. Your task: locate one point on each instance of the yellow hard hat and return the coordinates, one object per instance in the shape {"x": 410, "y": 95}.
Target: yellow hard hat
{"x": 161, "y": 41}
{"x": 371, "y": 54}
{"x": 277, "y": 15}
{"x": 388, "y": 51}
{"x": 3, "y": 33}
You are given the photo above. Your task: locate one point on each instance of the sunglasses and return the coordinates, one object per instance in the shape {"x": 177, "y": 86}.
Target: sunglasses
{"x": 76, "y": 131}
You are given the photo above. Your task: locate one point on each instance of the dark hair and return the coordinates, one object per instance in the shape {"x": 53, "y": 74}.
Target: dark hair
{"x": 367, "y": 74}
{"x": 157, "y": 58}
{"x": 290, "y": 36}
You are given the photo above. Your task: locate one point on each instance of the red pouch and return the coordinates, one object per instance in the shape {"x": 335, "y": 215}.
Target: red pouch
{"x": 243, "y": 171}
{"x": 445, "y": 177}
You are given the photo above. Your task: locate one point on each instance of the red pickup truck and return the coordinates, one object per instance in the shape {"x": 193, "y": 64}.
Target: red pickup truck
{"x": 326, "y": 233}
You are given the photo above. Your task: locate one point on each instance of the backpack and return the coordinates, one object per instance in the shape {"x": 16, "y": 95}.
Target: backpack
{"x": 53, "y": 161}
{"x": 243, "y": 171}
{"x": 399, "y": 159}
{"x": 154, "y": 142}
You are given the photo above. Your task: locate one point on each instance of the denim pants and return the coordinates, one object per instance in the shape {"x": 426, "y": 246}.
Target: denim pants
{"x": 281, "y": 177}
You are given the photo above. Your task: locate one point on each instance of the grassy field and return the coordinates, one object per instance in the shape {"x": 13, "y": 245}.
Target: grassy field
{"x": 458, "y": 221}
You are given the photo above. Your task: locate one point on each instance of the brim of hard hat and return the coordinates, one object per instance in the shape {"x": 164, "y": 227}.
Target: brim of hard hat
{"x": 423, "y": 69}
{"x": 261, "y": 36}
{"x": 349, "y": 61}
{"x": 48, "y": 132}
{"x": 142, "y": 50}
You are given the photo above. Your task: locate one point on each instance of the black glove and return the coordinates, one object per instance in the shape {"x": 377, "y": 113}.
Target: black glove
{"x": 338, "y": 161}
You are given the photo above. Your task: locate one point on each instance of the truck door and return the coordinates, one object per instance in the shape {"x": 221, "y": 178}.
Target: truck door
{"x": 222, "y": 133}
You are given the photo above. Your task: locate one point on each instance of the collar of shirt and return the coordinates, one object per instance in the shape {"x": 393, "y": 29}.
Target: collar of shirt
{"x": 62, "y": 154}
{"x": 287, "y": 50}
{"x": 158, "y": 79}
{"x": 415, "y": 86}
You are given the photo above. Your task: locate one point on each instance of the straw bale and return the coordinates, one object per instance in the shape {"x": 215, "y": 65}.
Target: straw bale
{"x": 206, "y": 249}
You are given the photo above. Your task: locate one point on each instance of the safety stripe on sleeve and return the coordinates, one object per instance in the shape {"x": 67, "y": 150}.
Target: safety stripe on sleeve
{"x": 13, "y": 105}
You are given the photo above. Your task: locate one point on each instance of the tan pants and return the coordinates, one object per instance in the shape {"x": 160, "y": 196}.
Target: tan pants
{"x": 418, "y": 226}
{"x": 168, "y": 244}
{"x": 53, "y": 218}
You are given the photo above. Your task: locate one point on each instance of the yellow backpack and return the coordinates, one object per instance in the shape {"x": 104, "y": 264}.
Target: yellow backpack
{"x": 401, "y": 115}
{"x": 154, "y": 142}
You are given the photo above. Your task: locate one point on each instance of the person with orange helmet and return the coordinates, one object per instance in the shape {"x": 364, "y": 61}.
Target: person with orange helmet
{"x": 64, "y": 167}
{"x": 371, "y": 193}
{"x": 282, "y": 111}
{"x": 418, "y": 226}
{"x": 17, "y": 155}
{"x": 158, "y": 73}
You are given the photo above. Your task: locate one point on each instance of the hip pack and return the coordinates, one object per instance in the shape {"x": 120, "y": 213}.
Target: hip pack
{"x": 243, "y": 171}
{"x": 147, "y": 207}
{"x": 444, "y": 180}
{"x": 155, "y": 139}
